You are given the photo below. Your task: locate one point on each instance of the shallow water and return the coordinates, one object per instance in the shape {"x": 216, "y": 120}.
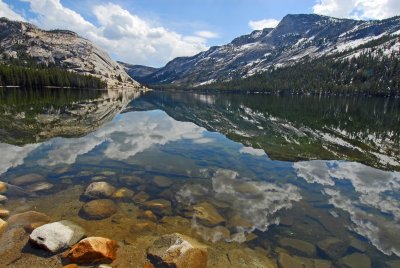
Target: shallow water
{"x": 159, "y": 144}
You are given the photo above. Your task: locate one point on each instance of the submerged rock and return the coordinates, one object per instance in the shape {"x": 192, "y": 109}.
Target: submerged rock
{"x": 207, "y": 214}
{"x": 301, "y": 246}
{"x": 3, "y": 226}
{"x": 142, "y": 226}
{"x": 39, "y": 186}
{"x": 131, "y": 180}
{"x": 4, "y": 213}
{"x": 141, "y": 197}
{"x": 176, "y": 250}
{"x": 332, "y": 247}
{"x": 27, "y": 218}
{"x": 287, "y": 261}
{"x": 99, "y": 209}
{"x": 93, "y": 250}
{"x": 3, "y": 187}
{"x": 158, "y": 206}
{"x": 355, "y": 260}
{"x": 123, "y": 194}
{"x": 100, "y": 189}
{"x": 3, "y": 199}
{"x": 57, "y": 236}
{"x": 214, "y": 234}
{"x": 237, "y": 221}
{"x": 27, "y": 179}
{"x": 246, "y": 257}
{"x": 357, "y": 245}
{"x": 148, "y": 215}
{"x": 162, "y": 181}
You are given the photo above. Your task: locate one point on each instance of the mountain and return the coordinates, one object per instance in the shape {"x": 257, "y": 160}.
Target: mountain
{"x": 296, "y": 38}
{"x": 137, "y": 71}
{"x": 25, "y": 44}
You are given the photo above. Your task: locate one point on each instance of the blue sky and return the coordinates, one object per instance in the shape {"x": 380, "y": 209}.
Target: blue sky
{"x": 152, "y": 32}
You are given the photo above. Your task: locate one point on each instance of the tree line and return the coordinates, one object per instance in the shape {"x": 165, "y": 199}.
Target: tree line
{"x": 39, "y": 77}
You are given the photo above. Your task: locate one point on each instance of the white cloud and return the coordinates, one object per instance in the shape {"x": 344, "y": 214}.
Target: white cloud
{"x": 124, "y": 35}
{"x": 358, "y": 9}
{"x": 262, "y": 24}
{"x": 207, "y": 34}
{"x": 6, "y": 11}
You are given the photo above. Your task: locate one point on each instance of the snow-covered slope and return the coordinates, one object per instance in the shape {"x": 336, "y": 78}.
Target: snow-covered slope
{"x": 26, "y": 42}
{"x": 297, "y": 37}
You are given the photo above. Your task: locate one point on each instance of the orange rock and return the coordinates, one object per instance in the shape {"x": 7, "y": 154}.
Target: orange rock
{"x": 148, "y": 215}
{"x": 148, "y": 265}
{"x": 73, "y": 265}
{"x": 92, "y": 250}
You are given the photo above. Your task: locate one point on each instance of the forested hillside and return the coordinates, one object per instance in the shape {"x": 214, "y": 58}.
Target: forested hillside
{"x": 37, "y": 77}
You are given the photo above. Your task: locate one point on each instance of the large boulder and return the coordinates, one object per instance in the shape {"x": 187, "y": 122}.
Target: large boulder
{"x": 100, "y": 189}
{"x": 93, "y": 250}
{"x": 99, "y": 209}
{"x": 57, "y": 236}
{"x": 207, "y": 214}
{"x": 177, "y": 250}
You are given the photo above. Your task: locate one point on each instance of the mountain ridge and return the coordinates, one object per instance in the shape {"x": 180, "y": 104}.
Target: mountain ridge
{"x": 25, "y": 43}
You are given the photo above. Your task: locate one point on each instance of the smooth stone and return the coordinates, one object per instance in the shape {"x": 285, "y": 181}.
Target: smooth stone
{"x": 27, "y": 179}
{"x": 148, "y": 215}
{"x": 39, "y": 186}
{"x": 57, "y": 236}
{"x": 4, "y": 213}
{"x": 162, "y": 181}
{"x": 141, "y": 197}
{"x": 246, "y": 257}
{"x": 99, "y": 209}
{"x": 25, "y": 219}
{"x": 332, "y": 247}
{"x": 3, "y": 199}
{"x": 298, "y": 245}
{"x": 177, "y": 250}
{"x": 207, "y": 214}
{"x": 287, "y": 261}
{"x": 3, "y": 226}
{"x": 355, "y": 260}
{"x": 93, "y": 250}
{"x": 158, "y": 206}
{"x": 123, "y": 194}
{"x": 100, "y": 189}
{"x": 238, "y": 221}
{"x": 3, "y": 187}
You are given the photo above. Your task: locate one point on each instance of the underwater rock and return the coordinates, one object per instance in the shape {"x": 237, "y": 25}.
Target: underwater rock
{"x": 238, "y": 221}
{"x": 99, "y": 209}
{"x": 158, "y": 206}
{"x": 301, "y": 246}
{"x": 287, "y": 261}
{"x": 207, "y": 214}
{"x": 3, "y": 226}
{"x": 131, "y": 180}
{"x": 39, "y": 186}
{"x": 162, "y": 181}
{"x": 57, "y": 236}
{"x": 177, "y": 250}
{"x": 141, "y": 226}
{"x": 27, "y": 179}
{"x": 4, "y": 213}
{"x": 93, "y": 250}
{"x": 141, "y": 197}
{"x": 3, "y": 187}
{"x": 332, "y": 247}
{"x": 25, "y": 219}
{"x": 148, "y": 215}
{"x": 357, "y": 245}
{"x": 3, "y": 199}
{"x": 29, "y": 228}
{"x": 246, "y": 257}
{"x": 355, "y": 260}
{"x": 123, "y": 194}
{"x": 214, "y": 234}
{"x": 99, "y": 189}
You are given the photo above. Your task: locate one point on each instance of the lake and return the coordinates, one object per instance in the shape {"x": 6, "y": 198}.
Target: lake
{"x": 298, "y": 181}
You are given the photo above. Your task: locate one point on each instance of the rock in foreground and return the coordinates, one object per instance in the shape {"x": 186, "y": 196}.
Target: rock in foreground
{"x": 57, "y": 236}
{"x": 93, "y": 250}
{"x": 176, "y": 250}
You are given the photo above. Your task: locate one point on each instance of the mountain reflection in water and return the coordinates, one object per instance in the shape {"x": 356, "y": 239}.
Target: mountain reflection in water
{"x": 258, "y": 201}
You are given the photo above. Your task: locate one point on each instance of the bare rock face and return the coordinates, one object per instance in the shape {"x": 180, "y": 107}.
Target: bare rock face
{"x": 62, "y": 48}
{"x": 177, "y": 250}
{"x": 93, "y": 250}
{"x": 57, "y": 236}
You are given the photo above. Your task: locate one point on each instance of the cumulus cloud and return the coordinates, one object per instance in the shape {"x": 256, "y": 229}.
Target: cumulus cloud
{"x": 126, "y": 36}
{"x": 262, "y": 24}
{"x": 358, "y": 9}
{"x": 13, "y": 156}
{"x": 6, "y": 11}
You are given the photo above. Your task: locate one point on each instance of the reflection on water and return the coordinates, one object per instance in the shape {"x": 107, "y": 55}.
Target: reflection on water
{"x": 231, "y": 196}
